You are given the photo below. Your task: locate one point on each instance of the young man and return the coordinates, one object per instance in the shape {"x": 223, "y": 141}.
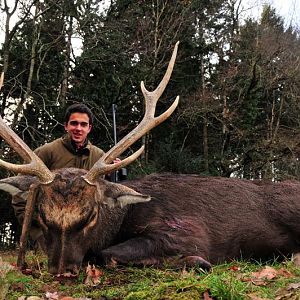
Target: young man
{"x": 71, "y": 150}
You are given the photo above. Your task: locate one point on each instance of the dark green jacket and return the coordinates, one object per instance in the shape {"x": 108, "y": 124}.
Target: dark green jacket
{"x": 62, "y": 154}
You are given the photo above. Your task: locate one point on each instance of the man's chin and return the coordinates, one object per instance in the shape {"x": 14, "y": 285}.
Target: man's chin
{"x": 77, "y": 141}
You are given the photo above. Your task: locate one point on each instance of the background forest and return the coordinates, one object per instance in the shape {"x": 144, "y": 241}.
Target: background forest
{"x": 238, "y": 81}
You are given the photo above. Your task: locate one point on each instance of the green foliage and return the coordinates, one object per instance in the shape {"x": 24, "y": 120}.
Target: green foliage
{"x": 240, "y": 81}
{"x": 172, "y": 159}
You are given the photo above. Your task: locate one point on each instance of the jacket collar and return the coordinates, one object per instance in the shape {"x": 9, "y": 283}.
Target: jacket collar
{"x": 70, "y": 145}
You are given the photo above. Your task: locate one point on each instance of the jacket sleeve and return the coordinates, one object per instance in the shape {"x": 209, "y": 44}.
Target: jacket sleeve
{"x": 44, "y": 153}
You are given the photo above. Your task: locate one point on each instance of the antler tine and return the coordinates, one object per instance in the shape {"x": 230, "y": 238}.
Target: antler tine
{"x": 103, "y": 165}
{"x": 35, "y": 165}
{"x": 151, "y": 98}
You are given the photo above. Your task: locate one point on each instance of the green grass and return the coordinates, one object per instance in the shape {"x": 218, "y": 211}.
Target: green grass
{"x": 233, "y": 281}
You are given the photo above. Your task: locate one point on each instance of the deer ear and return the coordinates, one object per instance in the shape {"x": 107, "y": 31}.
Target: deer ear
{"x": 118, "y": 195}
{"x": 125, "y": 199}
{"x": 17, "y": 185}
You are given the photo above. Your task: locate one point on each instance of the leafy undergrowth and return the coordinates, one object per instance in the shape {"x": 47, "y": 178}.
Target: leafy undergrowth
{"x": 236, "y": 280}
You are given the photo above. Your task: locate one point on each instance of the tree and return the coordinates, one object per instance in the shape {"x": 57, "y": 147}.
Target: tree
{"x": 255, "y": 84}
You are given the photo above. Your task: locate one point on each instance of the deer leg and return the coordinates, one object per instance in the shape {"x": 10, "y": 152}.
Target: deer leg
{"x": 189, "y": 261}
{"x": 26, "y": 224}
{"x": 145, "y": 251}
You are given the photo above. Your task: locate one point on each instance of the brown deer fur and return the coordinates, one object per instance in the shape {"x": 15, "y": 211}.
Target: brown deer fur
{"x": 190, "y": 219}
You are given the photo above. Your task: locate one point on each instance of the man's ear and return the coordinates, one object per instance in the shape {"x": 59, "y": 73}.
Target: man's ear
{"x": 90, "y": 128}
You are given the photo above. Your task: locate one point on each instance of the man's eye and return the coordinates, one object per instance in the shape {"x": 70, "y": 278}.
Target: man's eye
{"x": 76, "y": 123}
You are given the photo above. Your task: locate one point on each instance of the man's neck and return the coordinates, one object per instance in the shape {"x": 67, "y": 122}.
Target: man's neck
{"x": 78, "y": 146}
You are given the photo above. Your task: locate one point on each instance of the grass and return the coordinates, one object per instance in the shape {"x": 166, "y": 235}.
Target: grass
{"x": 233, "y": 281}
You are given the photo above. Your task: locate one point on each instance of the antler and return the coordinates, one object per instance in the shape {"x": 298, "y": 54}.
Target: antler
{"x": 35, "y": 165}
{"x": 103, "y": 165}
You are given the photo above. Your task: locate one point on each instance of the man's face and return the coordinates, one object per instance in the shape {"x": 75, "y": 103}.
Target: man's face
{"x": 78, "y": 127}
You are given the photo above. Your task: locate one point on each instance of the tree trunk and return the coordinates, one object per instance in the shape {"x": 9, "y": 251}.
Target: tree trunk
{"x": 205, "y": 143}
{"x": 36, "y": 34}
{"x": 205, "y": 124}
{"x": 66, "y": 73}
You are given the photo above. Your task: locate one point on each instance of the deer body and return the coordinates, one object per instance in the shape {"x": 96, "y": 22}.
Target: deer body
{"x": 213, "y": 218}
{"x": 189, "y": 220}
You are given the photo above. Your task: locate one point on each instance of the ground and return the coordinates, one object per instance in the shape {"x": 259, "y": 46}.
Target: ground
{"x": 236, "y": 280}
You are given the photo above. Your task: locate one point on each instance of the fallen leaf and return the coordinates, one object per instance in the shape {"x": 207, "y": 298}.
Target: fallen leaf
{"x": 57, "y": 296}
{"x": 234, "y": 268}
{"x": 293, "y": 286}
{"x": 26, "y": 271}
{"x": 267, "y": 273}
{"x": 285, "y": 273}
{"x": 92, "y": 275}
{"x": 254, "y": 297}
{"x": 66, "y": 278}
{"x": 206, "y": 296}
{"x": 288, "y": 296}
{"x": 67, "y": 275}
{"x": 71, "y": 298}
{"x": 52, "y": 296}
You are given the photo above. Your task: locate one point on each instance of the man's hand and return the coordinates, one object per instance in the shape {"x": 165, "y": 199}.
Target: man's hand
{"x": 117, "y": 160}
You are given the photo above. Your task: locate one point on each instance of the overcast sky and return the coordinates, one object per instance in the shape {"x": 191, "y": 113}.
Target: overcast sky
{"x": 289, "y": 9}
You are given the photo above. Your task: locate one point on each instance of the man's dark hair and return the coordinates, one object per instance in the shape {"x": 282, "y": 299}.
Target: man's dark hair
{"x": 78, "y": 108}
